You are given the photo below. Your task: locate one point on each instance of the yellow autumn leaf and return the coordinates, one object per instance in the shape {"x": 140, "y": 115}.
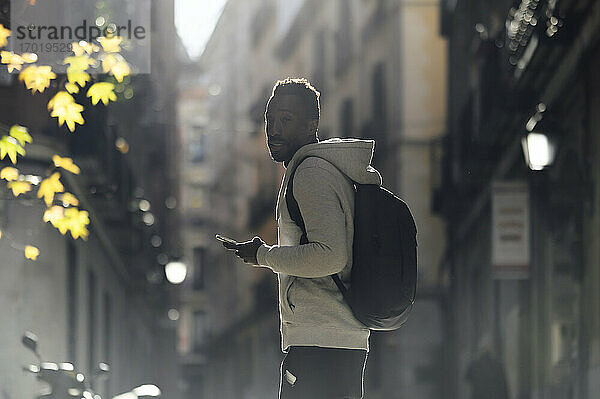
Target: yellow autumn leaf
{"x": 9, "y": 173}
{"x": 81, "y": 47}
{"x": 37, "y": 78}
{"x": 72, "y": 87}
{"x": 10, "y": 145}
{"x": 69, "y": 199}
{"x": 109, "y": 61}
{"x": 13, "y": 61}
{"x": 77, "y": 76}
{"x": 20, "y": 134}
{"x": 31, "y": 252}
{"x": 69, "y": 113}
{"x": 76, "y": 221}
{"x": 29, "y": 57}
{"x": 120, "y": 70}
{"x": 54, "y": 214}
{"x": 102, "y": 91}
{"x": 26, "y": 74}
{"x": 116, "y": 65}
{"x": 111, "y": 44}
{"x": 62, "y": 225}
{"x": 64, "y": 107}
{"x": 79, "y": 63}
{"x": 19, "y": 187}
{"x": 79, "y": 230}
{"x": 60, "y": 99}
{"x": 65, "y": 163}
{"x": 4, "y": 33}
{"x": 7, "y": 57}
{"x": 79, "y": 224}
{"x": 50, "y": 186}
{"x": 78, "y": 49}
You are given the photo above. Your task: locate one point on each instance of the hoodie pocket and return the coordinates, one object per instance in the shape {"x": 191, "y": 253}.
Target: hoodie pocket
{"x": 287, "y": 294}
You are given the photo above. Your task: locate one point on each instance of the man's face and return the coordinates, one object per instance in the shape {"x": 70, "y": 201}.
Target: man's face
{"x": 287, "y": 126}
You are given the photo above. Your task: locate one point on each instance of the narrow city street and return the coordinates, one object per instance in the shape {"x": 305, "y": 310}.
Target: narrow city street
{"x": 132, "y": 132}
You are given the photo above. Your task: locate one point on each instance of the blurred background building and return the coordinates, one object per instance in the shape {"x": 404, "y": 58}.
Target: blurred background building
{"x": 104, "y": 299}
{"x": 520, "y": 192}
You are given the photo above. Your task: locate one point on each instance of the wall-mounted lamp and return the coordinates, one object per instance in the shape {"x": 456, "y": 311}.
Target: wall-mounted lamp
{"x": 539, "y": 150}
{"x": 176, "y": 272}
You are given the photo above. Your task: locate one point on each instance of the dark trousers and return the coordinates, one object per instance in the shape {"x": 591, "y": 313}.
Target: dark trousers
{"x": 312, "y": 372}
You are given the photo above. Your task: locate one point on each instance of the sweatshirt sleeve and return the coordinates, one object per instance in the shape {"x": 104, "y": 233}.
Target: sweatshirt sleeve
{"x": 326, "y": 251}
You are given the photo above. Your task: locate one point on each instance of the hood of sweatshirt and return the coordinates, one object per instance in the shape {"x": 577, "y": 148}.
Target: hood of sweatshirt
{"x": 351, "y": 156}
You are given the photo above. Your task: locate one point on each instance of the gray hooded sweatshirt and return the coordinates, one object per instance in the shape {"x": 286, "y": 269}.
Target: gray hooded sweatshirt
{"x": 311, "y": 308}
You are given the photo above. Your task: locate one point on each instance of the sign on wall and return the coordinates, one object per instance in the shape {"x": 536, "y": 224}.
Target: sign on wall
{"x": 510, "y": 230}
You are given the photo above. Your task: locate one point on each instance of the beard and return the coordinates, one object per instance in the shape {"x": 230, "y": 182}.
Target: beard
{"x": 279, "y": 153}
{"x": 277, "y": 156}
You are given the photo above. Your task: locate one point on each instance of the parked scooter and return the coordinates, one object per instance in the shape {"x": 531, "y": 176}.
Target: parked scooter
{"x": 63, "y": 382}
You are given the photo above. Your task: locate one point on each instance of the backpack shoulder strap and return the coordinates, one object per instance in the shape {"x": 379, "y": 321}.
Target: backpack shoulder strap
{"x": 293, "y": 207}
{"x": 296, "y": 215}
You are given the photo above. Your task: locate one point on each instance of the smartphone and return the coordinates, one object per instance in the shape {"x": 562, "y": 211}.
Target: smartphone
{"x": 226, "y": 239}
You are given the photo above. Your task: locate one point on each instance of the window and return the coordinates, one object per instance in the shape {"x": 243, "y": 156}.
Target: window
{"x": 199, "y": 265}
{"x": 343, "y": 38}
{"x": 197, "y": 146}
{"x": 200, "y": 327}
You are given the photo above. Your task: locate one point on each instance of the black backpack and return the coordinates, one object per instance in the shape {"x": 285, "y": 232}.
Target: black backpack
{"x": 383, "y": 280}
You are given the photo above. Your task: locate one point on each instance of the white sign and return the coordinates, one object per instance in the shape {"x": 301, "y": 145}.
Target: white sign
{"x": 510, "y": 230}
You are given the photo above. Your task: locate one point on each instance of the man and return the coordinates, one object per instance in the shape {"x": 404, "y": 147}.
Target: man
{"x": 326, "y": 346}
{"x": 486, "y": 374}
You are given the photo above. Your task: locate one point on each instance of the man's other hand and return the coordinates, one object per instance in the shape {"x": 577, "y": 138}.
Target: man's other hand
{"x": 246, "y": 250}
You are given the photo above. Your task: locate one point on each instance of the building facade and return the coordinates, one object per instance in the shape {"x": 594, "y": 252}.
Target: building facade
{"x": 104, "y": 299}
{"x": 518, "y": 68}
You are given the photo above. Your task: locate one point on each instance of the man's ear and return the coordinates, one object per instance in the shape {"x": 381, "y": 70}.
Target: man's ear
{"x": 313, "y": 125}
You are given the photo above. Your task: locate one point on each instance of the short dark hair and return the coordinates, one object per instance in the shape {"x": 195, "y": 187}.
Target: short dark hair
{"x": 302, "y": 88}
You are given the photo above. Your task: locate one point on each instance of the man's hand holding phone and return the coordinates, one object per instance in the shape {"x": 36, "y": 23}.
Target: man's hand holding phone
{"x": 244, "y": 250}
